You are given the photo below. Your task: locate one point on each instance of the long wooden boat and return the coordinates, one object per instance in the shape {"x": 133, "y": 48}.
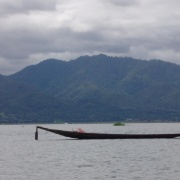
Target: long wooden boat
{"x": 85, "y": 135}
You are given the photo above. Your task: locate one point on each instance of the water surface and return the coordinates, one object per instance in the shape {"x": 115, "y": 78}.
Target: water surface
{"x": 54, "y": 157}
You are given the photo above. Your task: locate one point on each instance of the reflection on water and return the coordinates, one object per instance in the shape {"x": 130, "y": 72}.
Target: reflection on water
{"x": 56, "y": 157}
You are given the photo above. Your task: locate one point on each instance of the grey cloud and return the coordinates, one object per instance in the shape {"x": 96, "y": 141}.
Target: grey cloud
{"x": 66, "y": 28}
{"x": 122, "y": 2}
{"x": 11, "y": 7}
{"x": 40, "y": 5}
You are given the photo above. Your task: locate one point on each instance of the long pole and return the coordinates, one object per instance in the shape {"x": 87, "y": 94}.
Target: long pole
{"x": 36, "y": 134}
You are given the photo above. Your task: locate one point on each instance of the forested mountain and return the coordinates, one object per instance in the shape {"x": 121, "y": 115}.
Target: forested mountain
{"x": 21, "y": 103}
{"x": 99, "y": 88}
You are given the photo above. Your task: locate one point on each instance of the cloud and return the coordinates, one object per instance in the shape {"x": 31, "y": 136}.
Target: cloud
{"x": 21, "y": 6}
{"x": 32, "y": 31}
{"x": 122, "y": 2}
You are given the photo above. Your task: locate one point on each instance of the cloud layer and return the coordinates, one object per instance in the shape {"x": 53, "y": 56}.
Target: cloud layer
{"x": 32, "y": 31}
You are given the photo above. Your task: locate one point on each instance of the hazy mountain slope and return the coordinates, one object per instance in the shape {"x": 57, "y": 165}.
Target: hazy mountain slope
{"x": 109, "y": 87}
{"x": 102, "y": 75}
{"x": 20, "y": 102}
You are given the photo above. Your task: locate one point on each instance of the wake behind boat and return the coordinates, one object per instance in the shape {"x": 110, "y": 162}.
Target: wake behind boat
{"x": 84, "y": 135}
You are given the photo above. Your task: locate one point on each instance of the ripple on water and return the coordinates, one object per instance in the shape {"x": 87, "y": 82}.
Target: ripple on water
{"x": 54, "y": 157}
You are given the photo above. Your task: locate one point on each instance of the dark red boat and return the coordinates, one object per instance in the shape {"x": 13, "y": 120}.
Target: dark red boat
{"x": 84, "y": 135}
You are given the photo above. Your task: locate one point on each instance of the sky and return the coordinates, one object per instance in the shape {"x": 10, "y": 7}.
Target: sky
{"x": 34, "y": 30}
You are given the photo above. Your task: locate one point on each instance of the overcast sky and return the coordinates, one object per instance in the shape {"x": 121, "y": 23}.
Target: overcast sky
{"x": 35, "y": 30}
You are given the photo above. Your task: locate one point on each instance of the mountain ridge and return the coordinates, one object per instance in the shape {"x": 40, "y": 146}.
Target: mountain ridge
{"x": 104, "y": 88}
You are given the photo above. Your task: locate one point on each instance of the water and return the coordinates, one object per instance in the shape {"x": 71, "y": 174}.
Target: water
{"x": 54, "y": 157}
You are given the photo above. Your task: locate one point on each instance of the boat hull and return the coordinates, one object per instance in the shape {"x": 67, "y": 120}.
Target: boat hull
{"x": 84, "y": 135}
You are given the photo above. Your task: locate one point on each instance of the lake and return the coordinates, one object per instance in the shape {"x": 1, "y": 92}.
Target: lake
{"x": 54, "y": 157}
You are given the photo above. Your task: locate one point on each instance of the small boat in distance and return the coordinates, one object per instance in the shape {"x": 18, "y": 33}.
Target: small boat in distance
{"x": 80, "y": 134}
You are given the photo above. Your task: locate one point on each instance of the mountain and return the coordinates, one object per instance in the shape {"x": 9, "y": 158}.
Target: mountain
{"x": 22, "y": 103}
{"x": 104, "y": 88}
